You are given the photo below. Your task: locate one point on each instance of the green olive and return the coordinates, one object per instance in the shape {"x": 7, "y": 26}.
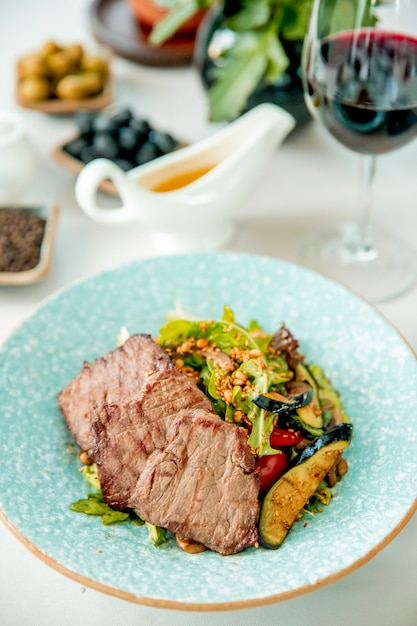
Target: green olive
{"x": 34, "y": 89}
{"x": 75, "y": 52}
{"x": 79, "y": 86}
{"x": 49, "y": 47}
{"x": 95, "y": 63}
{"x": 59, "y": 64}
{"x": 31, "y": 65}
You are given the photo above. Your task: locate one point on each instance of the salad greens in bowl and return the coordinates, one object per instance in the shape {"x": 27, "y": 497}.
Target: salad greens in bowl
{"x": 366, "y": 360}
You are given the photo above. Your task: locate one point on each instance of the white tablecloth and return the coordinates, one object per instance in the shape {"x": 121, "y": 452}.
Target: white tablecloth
{"x": 310, "y": 181}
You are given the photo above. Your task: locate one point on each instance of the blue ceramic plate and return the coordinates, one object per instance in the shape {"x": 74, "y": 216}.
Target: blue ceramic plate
{"x": 375, "y": 371}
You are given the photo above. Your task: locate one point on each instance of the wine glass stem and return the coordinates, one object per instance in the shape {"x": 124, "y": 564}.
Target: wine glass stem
{"x": 366, "y": 249}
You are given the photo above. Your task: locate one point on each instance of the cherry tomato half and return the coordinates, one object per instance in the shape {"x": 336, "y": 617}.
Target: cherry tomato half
{"x": 281, "y": 437}
{"x": 270, "y": 467}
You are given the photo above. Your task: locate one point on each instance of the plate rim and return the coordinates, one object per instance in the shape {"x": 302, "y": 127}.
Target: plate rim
{"x": 210, "y": 607}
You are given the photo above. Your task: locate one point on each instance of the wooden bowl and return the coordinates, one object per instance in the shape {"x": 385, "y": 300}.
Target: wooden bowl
{"x": 57, "y": 106}
{"x": 75, "y": 165}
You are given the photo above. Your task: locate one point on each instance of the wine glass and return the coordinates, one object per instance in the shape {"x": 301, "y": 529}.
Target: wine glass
{"x": 360, "y": 81}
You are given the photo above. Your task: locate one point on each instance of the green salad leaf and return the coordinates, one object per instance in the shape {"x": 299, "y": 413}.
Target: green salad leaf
{"x": 157, "y": 535}
{"x": 234, "y": 354}
{"x": 90, "y": 473}
{"x": 94, "y": 505}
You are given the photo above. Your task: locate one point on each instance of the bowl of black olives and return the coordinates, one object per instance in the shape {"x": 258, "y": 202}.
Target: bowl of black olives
{"x": 121, "y": 136}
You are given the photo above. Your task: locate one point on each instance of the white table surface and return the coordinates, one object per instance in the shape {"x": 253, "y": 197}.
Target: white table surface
{"x": 309, "y": 181}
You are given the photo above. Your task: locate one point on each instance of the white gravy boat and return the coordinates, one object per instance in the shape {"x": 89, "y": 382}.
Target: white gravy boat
{"x": 221, "y": 169}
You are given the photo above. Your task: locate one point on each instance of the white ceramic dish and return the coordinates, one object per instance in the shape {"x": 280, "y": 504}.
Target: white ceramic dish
{"x": 375, "y": 371}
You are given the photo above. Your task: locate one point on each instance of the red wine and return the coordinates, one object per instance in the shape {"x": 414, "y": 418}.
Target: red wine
{"x": 362, "y": 86}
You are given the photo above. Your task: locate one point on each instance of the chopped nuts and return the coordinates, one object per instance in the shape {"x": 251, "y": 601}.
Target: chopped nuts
{"x": 186, "y": 346}
{"x": 84, "y": 458}
{"x": 342, "y": 467}
{"x": 238, "y": 416}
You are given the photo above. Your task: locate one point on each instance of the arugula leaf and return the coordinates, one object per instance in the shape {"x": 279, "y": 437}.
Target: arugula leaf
{"x": 157, "y": 535}
{"x": 90, "y": 473}
{"x": 228, "y": 314}
{"x": 177, "y": 331}
{"x": 261, "y": 372}
{"x": 94, "y": 505}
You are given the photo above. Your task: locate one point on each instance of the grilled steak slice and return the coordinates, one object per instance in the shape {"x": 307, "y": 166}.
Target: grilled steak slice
{"x": 160, "y": 449}
{"x": 189, "y": 472}
{"x": 122, "y": 375}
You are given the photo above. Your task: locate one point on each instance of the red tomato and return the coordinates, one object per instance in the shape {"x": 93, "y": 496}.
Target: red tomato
{"x": 270, "y": 467}
{"x": 281, "y": 437}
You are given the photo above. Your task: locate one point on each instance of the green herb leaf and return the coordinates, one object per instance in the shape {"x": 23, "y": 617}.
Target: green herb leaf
{"x": 177, "y": 331}
{"x": 263, "y": 373}
{"x": 113, "y": 517}
{"x": 295, "y": 20}
{"x": 94, "y": 505}
{"x": 228, "y": 314}
{"x": 89, "y": 506}
{"x": 157, "y": 535}
{"x": 244, "y": 68}
{"x": 90, "y": 473}
{"x": 277, "y": 58}
{"x": 169, "y": 25}
{"x": 254, "y": 13}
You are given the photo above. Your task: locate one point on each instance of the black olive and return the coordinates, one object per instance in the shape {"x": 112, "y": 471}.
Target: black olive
{"x": 124, "y": 164}
{"x": 74, "y": 147}
{"x": 163, "y": 141}
{"x": 146, "y": 152}
{"x": 89, "y": 153}
{"x": 103, "y": 123}
{"x": 122, "y": 137}
{"x": 84, "y": 121}
{"x": 106, "y": 145}
{"x": 129, "y": 139}
{"x": 122, "y": 118}
{"x": 142, "y": 127}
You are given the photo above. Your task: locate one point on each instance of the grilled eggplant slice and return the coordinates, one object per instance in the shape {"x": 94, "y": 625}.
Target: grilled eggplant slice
{"x": 341, "y": 432}
{"x": 284, "y": 501}
{"x": 311, "y": 414}
{"x": 298, "y": 395}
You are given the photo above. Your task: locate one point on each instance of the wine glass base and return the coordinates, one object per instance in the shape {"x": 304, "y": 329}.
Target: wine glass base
{"x": 377, "y": 273}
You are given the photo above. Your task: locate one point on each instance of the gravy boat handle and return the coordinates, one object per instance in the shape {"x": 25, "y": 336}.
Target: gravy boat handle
{"x": 88, "y": 183}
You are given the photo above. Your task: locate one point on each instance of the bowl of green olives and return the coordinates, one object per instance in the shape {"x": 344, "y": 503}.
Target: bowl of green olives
{"x": 63, "y": 79}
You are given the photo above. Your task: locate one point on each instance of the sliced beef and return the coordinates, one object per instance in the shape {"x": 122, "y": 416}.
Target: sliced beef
{"x": 160, "y": 449}
{"x": 122, "y": 375}
{"x": 189, "y": 472}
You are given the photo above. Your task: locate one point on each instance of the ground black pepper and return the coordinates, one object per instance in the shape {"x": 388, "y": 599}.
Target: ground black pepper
{"x": 21, "y": 235}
